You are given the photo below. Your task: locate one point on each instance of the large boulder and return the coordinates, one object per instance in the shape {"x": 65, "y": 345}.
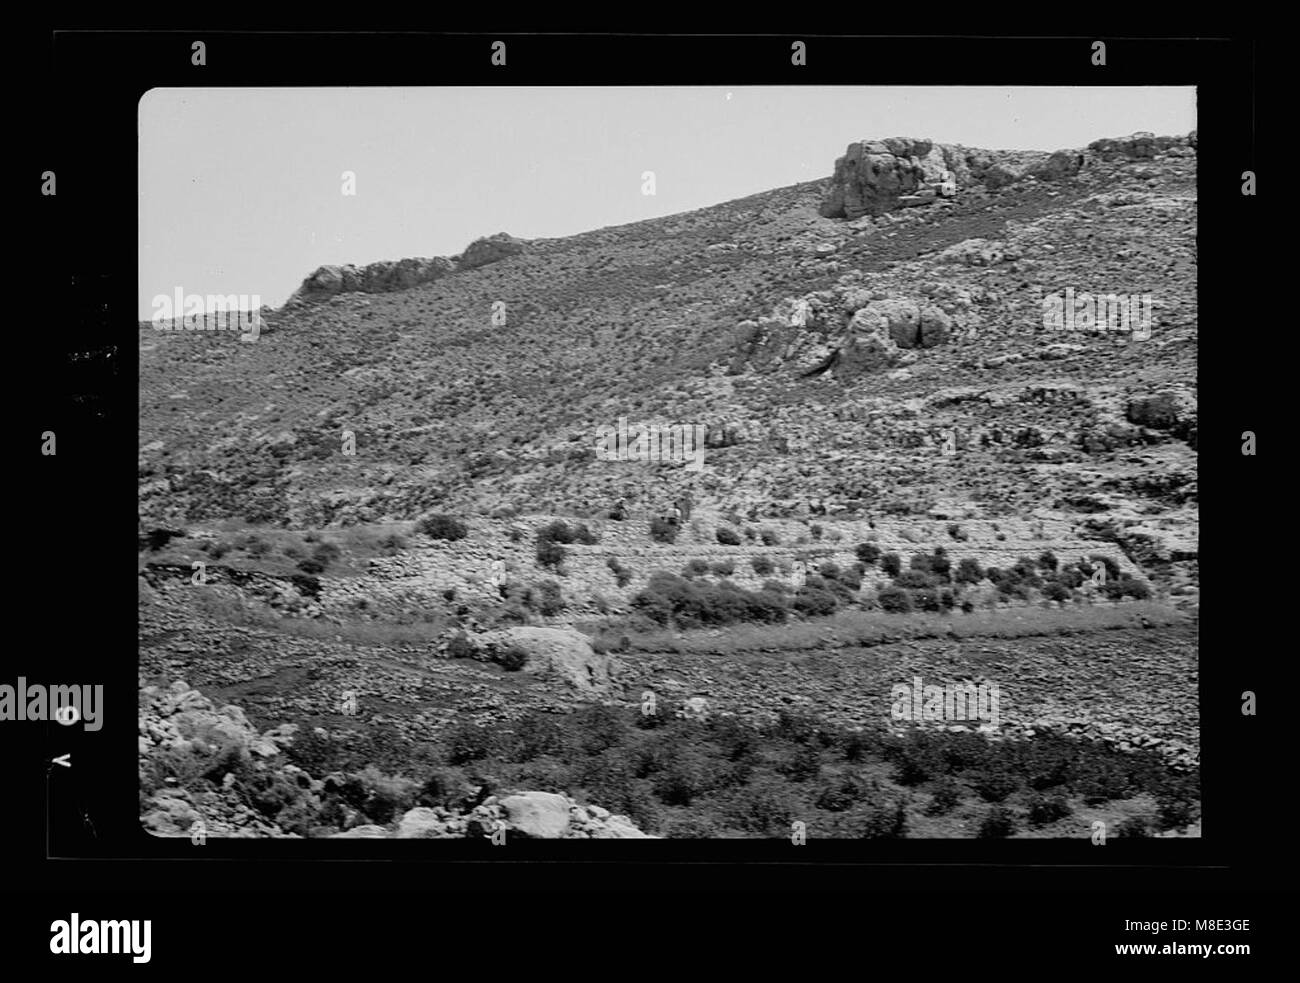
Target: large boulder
{"x": 422, "y": 823}
{"x": 480, "y": 252}
{"x": 381, "y": 277}
{"x": 562, "y": 653}
{"x": 537, "y": 815}
{"x": 873, "y": 175}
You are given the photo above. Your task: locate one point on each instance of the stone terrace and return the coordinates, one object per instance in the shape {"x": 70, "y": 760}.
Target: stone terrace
{"x": 429, "y": 568}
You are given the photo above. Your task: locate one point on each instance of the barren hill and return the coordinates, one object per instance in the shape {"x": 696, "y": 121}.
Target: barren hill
{"x": 827, "y": 358}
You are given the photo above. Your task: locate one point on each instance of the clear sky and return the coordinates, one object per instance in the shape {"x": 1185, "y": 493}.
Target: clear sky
{"x": 241, "y": 189}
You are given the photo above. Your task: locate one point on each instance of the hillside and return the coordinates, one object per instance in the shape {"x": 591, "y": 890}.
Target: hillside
{"x": 392, "y": 523}
{"x": 686, "y": 319}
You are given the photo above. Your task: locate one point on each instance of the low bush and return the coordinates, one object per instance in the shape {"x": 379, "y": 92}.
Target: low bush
{"x": 444, "y": 527}
{"x": 727, "y": 537}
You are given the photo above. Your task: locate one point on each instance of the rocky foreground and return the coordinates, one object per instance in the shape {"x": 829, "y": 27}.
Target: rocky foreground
{"x": 180, "y": 724}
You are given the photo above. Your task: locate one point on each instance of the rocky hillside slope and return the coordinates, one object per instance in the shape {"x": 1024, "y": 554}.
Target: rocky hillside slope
{"x": 870, "y": 343}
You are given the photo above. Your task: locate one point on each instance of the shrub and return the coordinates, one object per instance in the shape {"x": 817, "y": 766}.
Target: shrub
{"x": 550, "y": 554}
{"x": 444, "y": 527}
{"x": 1174, "y": 810}
{"x": 536, "y": 734}
{"x": 868, "y": 553}
{"x": 915, "y": 580}
{"x": 583, "y": 535}
{"x": 994, "y": 784}
{"x": 1048, "y": 561}
{"x": 998, "y": 823}
{"x": 511, "y": 658}
{"x": 671, "y": 598}
{"x": 891, "y": 563}
{"x": 385, "y": 796}
{"x": 769, "y": 537}
{"x": 460, "y": 647}
{"x": 663, "y": 531}
{"x": 812, "y": 601}
{"x": 940, "y": 565}
{"x": 1071, "y": 577}
{"x": 944, "y": 796}
{"x": 1056, "y": 591}
{"x": 1133, "y": 827}
{"x": 1130, "y": 586}
{"x": 968, "y": 571}
{"x": 468, "y": 742}
{"x": 762, "y": 565}
{"x": 829, "y": 570}
{"x": 839, "y": 793}
{"x": 156, "y": 539}
{"x": 622, "y": 575}
{"x": 306, "y": 584}
{"x": 687, "y": 774}
{"x": 311, "y": 565}
{"x": 874, "y": 821}
{"x": 1044, "y": 810}
{"x": 895, "y": 600}
{"x": 561, "y": 532}
{"x": 695, "y": 568}
{"x": 766, "y": 805}
{"x": 926, "y": 599}
{"x": 723, "y": 568}
{"x": 727, "y": 537}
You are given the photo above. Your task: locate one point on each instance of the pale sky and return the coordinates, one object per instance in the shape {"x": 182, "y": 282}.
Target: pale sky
{"x": 240, "y": 189}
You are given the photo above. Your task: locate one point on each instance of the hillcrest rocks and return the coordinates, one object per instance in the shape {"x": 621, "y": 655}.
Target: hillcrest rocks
{"x": 878, "y": 176}
{"x": 387, "y": 276}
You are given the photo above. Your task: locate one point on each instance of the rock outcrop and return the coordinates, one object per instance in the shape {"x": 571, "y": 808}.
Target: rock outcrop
{"x": 492, "y": 249}
{"x": 878, "y": 176}
{"x": 562, "y": 652}
{"x": 208, "y": 771}
{"x": 387, "y": 276}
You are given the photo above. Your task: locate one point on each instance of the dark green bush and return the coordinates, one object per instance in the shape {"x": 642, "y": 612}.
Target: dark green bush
{"x": 727, "y": 537}
{"x": 443, "y": 527}
{"x": 945, "y": 794}
{"x": 999, "y": 822}
{"x": 1047, "y": 809}
{"x": 926, "y": 599}
{"x": 663, "y": 531}
{"x": 895, "y": 600}
{"x": 550, "y": 554}
{"x": 868, "y": 553}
